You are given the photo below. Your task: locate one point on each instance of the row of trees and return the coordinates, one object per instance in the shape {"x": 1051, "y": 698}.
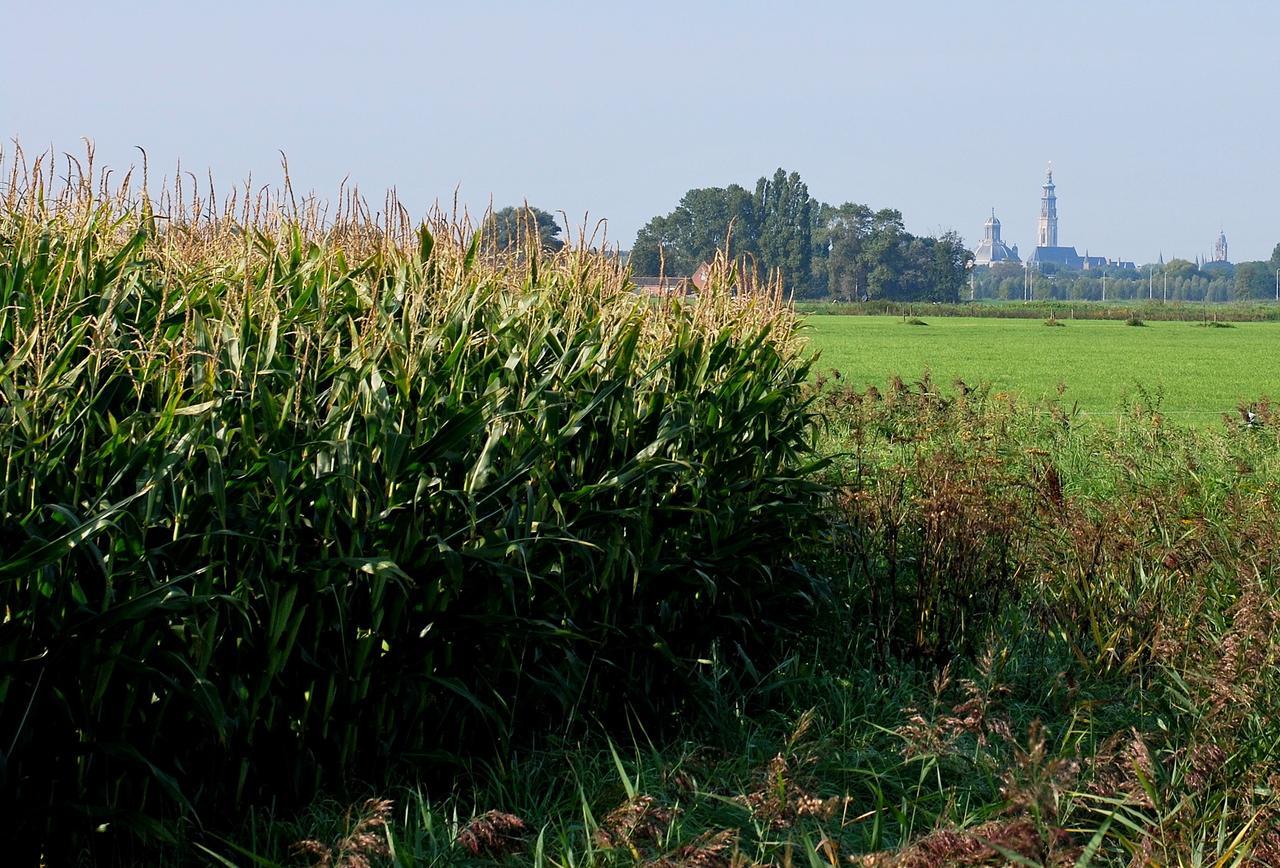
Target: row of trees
{"x": 847, "y": 251}
{"x": 1176, "y": 280}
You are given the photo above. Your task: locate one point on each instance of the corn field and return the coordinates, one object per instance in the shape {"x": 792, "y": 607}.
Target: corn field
{"x": 291, "y": 494}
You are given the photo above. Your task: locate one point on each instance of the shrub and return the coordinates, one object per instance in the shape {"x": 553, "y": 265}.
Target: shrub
{"x": 283, "y": 503}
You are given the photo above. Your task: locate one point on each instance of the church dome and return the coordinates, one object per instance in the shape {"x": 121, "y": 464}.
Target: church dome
{"x": 992, "y": 249}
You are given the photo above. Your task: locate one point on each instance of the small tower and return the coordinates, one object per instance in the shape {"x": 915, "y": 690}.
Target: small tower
{"x": 992, "y": 227}
{"x": 1047, "y": 235}
{"x": 1220, "y": 248}
{"x": 992, "y": 248}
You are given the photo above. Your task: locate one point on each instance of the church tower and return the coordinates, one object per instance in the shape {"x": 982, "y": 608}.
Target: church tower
{"x": 1047, "y": 236}
{"x": 1220, "y": 248}
{"x": 991, "y": 229}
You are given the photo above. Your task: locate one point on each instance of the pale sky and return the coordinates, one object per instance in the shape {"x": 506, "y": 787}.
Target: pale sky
{"x": 1160, "y": 117}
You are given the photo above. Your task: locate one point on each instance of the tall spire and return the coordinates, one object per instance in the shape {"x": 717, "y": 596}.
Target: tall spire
{"x": 1047, "y": 232}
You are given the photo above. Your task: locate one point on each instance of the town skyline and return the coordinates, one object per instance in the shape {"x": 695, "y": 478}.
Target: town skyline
{"x": 996, "y": 245}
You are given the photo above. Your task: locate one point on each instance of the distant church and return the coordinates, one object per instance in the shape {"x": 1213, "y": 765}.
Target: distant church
{"x": 1219, "y": 262}
{"x": 992, "y": 249}
{"x": 1047, "y": 249}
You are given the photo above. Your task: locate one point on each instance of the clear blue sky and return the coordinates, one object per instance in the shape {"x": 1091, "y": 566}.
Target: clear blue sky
{"x": 1161, "y": 118}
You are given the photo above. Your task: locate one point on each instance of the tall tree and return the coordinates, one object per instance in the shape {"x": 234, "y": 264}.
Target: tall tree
{"x": 884, "y": 257}
{"x": 1254, "y": 280}
{"x": 784, "y": 208}
{"x": 948, "y": 265}
{"x": 705, "y": 220}
{"x": 838, "y": 262}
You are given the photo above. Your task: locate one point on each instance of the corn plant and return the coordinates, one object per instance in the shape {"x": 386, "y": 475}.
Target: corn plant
{"x": 289, "y": 497}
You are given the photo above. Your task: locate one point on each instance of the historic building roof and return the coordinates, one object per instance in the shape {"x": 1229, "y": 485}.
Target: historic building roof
{"x": 1064, "y": 256}
{"x": 991, "y": 248}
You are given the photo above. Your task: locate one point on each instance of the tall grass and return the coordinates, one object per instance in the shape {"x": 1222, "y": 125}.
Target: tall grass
{"x": 1072, "y": 663}
{"x": 291, "y": 497}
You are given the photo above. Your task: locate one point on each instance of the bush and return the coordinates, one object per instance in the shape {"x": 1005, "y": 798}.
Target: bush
{"x": 284, "y": 504}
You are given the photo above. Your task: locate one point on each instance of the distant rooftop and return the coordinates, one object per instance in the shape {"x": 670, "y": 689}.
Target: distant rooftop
{"x": 992, "y": 249}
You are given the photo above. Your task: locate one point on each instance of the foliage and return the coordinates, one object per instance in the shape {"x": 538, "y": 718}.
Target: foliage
{"x": 785, "y": 226}
{"x": 513, "y": 227}
{"x": 285, "y": 504}
{"x": 931, "y": 540}
{"x": 290, "y": 507}
{"x": 849, "y": 251}
{"x": 1121, "y": 705}
{"x": 1254, "y": 280}
{"x": 1178, "y": 280}
{"x": 705, "y": 221}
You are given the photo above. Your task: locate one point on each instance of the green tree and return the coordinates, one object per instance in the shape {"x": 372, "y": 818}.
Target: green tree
{"x": 701, "y": 224}
{"x": 883, "y": 255}
{"x": 839, "y": 236}
{"x": 949, "y": 262}
{"x": 656, "y": 248}
{"x": 514, "y": 225}
{"x": 784, "y": 215}
{"x": 1254, "y": 280}
{"x": 847, "y": 251}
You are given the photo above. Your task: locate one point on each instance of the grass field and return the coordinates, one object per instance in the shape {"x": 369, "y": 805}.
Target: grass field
{"x": 1200, "y": 372}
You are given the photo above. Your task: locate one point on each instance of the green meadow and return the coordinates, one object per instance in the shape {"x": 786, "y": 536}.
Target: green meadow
{"x": 1198, "y": 372}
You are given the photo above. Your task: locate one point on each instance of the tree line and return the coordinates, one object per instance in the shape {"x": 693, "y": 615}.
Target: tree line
{"x": 1176, "y": 280}
{"x": 847, "y": 251}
